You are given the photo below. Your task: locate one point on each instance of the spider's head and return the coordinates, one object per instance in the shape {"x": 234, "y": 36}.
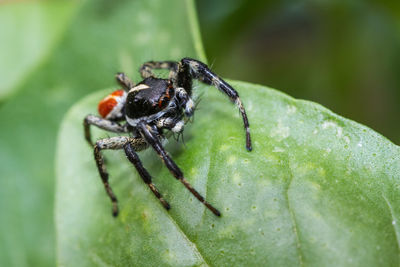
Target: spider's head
{"x": 111, "y": 107}
{"x": 149, "y": 98}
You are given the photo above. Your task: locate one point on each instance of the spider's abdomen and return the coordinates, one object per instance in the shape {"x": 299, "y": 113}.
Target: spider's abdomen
{"x": 111, "y": 106}
{"x": 148, "y": 99}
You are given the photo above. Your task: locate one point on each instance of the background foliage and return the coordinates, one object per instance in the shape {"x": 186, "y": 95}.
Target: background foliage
{"x": 344, "y": 55}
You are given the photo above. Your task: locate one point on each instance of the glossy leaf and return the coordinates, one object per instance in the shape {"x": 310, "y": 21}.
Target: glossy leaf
{"x": 317, "y": 190}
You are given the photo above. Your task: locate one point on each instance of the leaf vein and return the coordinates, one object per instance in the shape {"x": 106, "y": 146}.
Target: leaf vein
{"x": 197, "y": 251}
{"x": 393, "y": 220}
{"x": 293, "y": 217}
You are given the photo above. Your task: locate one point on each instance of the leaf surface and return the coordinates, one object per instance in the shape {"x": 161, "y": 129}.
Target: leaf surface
{"x": 317, "y": 190}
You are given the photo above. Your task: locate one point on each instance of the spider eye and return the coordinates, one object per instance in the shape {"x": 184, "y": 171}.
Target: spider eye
{"x": 165, "y": 98}
{"x": 170, "y": 84}
{"x": 162, "y": 102}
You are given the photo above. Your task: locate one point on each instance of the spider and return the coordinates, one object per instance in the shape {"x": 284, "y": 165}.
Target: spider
{"x": 150, "y": 109}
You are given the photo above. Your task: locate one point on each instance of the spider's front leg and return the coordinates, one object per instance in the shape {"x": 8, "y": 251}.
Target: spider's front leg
{"x": 130, "y": 145}
{"x": 186, "y": 100}
{"x": 134, "y": 159}
{"x": 104, "y": 124}
{"x": 108, "y": 143}
{"x": 152, "y": 140}
{"x": 198, "y": 70}
{"x": 173, "y": 124}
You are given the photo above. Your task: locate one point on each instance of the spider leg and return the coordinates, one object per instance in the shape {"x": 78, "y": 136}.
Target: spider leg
{"x": 134, "y": 159}
{"x": 108, "y": 143}
{"x": 175, "y": 125}
{"x": 170, "y": 164}
{"x": 104, "y": 124}
{"x": 146, "y": 70}
{"x": 200, "y": 71}
{"x": 124, "y": 81}
{"x": 186, "y": 100}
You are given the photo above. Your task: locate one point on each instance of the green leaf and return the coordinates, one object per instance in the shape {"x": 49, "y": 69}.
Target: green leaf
{"x": 102, "y": 38}
{"x": 28, "y": 30}
{"x": 317, "y": 190}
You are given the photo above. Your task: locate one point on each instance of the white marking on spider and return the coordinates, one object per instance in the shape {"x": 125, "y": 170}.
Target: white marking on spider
{"x": 189, "y": 106}
{"x": 139, "y": 87}
{"x": 216, "y": 82}
{"x": 117, "y": 109}
{"x": 178, "y": 127}
{"x": 194, "y": 65}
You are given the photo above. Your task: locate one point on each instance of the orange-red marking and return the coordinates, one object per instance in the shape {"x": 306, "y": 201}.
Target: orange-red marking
{"x": 117, "y": 93}
{"x": 109, "y": 102}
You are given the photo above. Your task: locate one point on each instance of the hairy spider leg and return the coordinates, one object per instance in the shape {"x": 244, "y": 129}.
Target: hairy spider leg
{"x": 200, "y": 71}
{"x": 170, "y": 164}
{"x": 114, "y": 143}
{"x": 124, "y": 81}
{"x": 134, "y": 159}
{"x": 175, "y": 125}
{"x": 104, "y": 124}
{"x": 146, "y": 70}
{"x": 186, "y": 101}
{"x": 108, "y": 143}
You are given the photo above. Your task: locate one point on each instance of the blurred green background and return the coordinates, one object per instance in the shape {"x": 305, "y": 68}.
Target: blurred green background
{"x": 344, "y": 55}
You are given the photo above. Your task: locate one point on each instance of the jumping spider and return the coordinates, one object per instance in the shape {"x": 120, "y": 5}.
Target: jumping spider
{"x": 148, "y": 108}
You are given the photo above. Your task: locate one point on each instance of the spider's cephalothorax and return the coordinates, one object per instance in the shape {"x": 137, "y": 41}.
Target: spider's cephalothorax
{"x": 149, "y": 100}
{"x": 148, "y": 108}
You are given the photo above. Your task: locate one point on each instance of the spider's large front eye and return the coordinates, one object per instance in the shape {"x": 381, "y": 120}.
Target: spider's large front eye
{"x": 163, "y": 102}
{"x": 165, "y": 98}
